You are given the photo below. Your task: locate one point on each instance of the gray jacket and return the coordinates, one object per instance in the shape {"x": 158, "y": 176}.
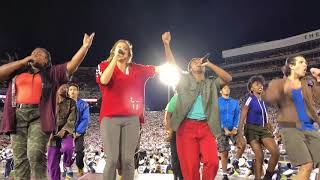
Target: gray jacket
{"x": 188, "y": 90}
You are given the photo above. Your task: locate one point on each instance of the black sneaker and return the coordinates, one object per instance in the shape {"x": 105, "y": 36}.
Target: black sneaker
{"x": 268, "y": 176}
{"x": 69, "y": 175}
{"x": 235, "y": 164}
{"x": 225, "y": 177}
{"x": 64, "y": 173}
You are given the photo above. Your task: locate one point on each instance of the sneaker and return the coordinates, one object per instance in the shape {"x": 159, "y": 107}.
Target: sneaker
{"x": 225, "y": 177}
{"x": 64, "y": 172}
{"x": 235, "y": 174}
{"x": 268, "y": 176}
{"x": 69, "y": 176}
{"x": 235, "y": 164}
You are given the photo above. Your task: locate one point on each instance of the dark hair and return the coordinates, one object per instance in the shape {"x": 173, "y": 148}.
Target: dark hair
{"x": 221, "y": 87}
{"x": 189, "y": 64}
{"x": 74, "y": 84}
{"x": 255, "y": 79}
{"x": 291, "y": 60}
{"x": 45, "y": 77}
{"x": 49, "y": 64}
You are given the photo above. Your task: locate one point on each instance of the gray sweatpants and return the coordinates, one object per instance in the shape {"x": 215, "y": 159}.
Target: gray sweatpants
{"x": 112, "y": 129}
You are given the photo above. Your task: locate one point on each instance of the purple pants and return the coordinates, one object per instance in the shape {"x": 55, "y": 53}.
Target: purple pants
{"x": 54, "y": 156}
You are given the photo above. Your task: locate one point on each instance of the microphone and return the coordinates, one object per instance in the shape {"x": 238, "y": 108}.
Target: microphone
{"x": 205, "y": 58}
{"x": 120, "y": 51}
{"x": 30, "y": 62}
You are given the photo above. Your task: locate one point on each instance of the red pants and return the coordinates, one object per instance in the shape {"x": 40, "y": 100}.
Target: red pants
{"x": 196, "y": 143}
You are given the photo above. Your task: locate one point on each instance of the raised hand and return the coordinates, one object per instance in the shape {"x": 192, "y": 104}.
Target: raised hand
{"x": 205, "y": 62}
{"x": 234, "y": 132}
{"x": 170, "y": 134}
{"x": 315, "y": 73}
{"x": 166, "y": 38}
{"x": 87, "y": 40}
{"x": 227, "y": 132}
{"x": 28, "y": 59}
{"x": 117, "y": 56}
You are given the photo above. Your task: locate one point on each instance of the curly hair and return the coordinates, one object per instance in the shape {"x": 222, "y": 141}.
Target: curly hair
{"x": 255, "y": 79}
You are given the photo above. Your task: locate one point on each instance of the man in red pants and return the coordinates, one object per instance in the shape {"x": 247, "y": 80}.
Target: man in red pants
{"x": 196, "y": 116}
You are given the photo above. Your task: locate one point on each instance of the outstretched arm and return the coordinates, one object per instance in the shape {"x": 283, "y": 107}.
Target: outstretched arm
{"x": 166, "y": 38}
{"x": 77, "y": 59}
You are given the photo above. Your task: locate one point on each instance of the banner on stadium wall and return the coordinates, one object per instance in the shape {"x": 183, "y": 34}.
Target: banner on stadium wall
{"x": 302, "y": 38}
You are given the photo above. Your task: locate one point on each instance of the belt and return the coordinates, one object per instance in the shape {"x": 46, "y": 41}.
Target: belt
{"x": 287, "y": 124}
{"x": 255, "y": 124}
{"x": 22, "y": 106}
{"x": 199, "y": 120}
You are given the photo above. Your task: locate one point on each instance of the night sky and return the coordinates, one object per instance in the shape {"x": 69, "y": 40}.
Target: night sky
{"x": 197, "y": 27}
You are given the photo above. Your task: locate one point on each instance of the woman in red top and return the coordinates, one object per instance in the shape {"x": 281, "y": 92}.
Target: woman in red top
{"x": 122, "y": 86}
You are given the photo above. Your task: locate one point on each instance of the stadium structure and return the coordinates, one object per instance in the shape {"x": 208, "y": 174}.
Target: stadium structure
{"x": 267, "y": 58}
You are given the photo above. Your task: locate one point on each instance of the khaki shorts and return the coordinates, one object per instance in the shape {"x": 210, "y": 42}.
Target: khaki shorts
{"x": 301, "y": 146}
{"x": 256, "y": 132}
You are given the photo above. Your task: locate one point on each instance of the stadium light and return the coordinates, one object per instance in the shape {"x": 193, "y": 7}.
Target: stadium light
{"x": 169, "y": 75}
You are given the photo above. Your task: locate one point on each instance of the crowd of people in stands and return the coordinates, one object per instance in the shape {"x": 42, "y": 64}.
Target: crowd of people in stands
{"x": 154, "y": 152}
{"x": 153, "y": 155}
